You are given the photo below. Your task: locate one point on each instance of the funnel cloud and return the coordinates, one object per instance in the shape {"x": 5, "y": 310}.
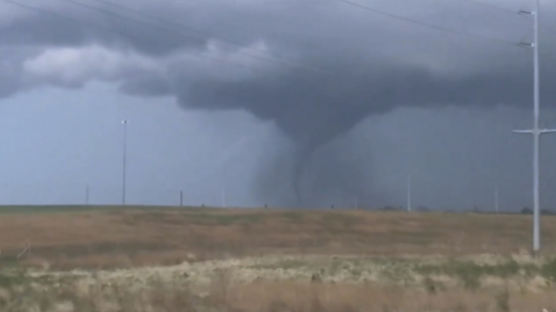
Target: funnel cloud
{"x": 315, "y": 69}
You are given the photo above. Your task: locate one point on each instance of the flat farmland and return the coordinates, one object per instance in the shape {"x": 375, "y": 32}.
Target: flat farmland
{"x": 110, "y": 237}
{"x": 154, "y": 259}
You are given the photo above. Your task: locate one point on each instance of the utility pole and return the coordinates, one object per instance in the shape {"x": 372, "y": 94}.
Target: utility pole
{"x": 409, "y": 208}
{"x": 124, "y": 161}
{"x": 535, "y": 131}
{"x": 181, "y": 198}
{"x": 496, "y": 200}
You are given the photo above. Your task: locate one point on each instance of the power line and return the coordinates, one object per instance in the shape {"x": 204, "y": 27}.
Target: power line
{"x": 111, "y": 29}
{"x": 493, "y": 6}
{"x": 423, "y": 24}
{"x": 67, "y": 17}
{"x": 348, "y": 2}
{"x": 507, "y": 10}
{"x": 270, "y": 59}
{"x": 136, "y": 38}
{"x": 202, "y": 34}
{"x": 164, "y": 24}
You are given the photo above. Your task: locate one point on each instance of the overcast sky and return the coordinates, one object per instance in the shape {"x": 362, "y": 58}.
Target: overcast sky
{"x": 291, "y": 103}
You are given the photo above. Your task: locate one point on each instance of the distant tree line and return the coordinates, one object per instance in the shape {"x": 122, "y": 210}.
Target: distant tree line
{"x": 529, "y": 211}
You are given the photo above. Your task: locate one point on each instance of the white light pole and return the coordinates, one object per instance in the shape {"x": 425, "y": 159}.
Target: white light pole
{"x": 124, "y": 161}
{"x": 536, "y": 131}
{"x": 409, "y": 208}
{"x": 496, "y": 200}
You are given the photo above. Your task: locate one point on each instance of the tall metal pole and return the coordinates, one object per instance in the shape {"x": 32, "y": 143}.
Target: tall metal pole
{"x": 536, "y": 134}
{"x": 496, "y": 200}
{"x": 536, "y": 131}
{"x": 181, "y": 198}
{"x": 124, "y": 161}
{"x": 409, "y": 208}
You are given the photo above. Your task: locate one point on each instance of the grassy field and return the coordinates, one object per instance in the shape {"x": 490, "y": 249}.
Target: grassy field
{"x": 292, "y": 283}
{"x": 69, "y": 259}
{"x": 105, "y": 237}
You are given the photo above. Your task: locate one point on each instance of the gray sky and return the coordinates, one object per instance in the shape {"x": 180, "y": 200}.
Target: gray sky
{"x": 285, "y": 102}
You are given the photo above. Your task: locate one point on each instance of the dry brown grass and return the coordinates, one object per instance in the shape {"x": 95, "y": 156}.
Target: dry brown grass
{"x": 292, "y": 296}
{"x": 265, "y": 296}
{"x": 167, "y": 236}
{"x": 379, "y": 262}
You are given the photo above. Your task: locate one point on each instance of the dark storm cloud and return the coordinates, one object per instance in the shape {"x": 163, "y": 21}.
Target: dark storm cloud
{"x": 325, "y": 67}
{"x": 315, "y": 68}
{"x": 57, "y": 24}
{"x": 313, "y": 108}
